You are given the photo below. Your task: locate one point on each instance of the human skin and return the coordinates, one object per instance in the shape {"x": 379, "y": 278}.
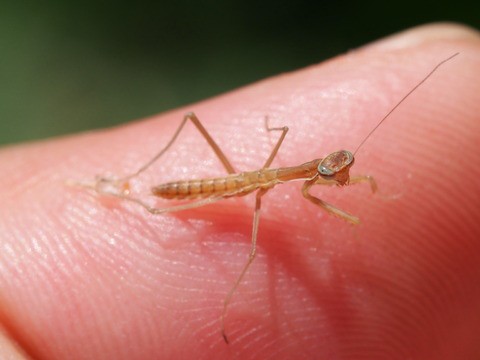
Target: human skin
{"x": 85, "y": 276}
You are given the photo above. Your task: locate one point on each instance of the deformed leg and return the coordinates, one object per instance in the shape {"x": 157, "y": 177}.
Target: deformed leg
{"x": 326, "y": 206}
{"x": 251, "y": 257}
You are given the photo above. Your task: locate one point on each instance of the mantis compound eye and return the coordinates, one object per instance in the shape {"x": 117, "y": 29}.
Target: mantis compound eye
{"x": 335, "y": 162}
{"x": 325, "y": 171}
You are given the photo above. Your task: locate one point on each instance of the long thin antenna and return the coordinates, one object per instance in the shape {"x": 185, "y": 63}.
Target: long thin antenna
{"x": 403, "y": 99}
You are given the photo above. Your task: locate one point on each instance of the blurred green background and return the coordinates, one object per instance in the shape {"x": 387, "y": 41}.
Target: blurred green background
{"x": 69, "y": 66}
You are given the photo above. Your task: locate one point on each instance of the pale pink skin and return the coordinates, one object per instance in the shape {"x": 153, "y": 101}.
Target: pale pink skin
{"x": 85, "y": 276}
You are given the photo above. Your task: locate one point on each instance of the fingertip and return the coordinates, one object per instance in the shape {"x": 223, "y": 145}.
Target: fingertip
{"x": 425, "y": 34}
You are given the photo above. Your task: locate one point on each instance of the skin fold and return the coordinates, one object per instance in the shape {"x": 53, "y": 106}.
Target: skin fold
{"x": 91, "y": 277}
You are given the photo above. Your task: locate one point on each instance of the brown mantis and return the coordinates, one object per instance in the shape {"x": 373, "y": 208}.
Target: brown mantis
{"x": 330, "y": 170}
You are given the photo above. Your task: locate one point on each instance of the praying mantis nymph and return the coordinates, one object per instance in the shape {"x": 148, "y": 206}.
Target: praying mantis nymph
{"x": 332, "y": 169}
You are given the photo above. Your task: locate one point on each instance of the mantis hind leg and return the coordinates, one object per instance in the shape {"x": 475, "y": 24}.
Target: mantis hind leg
{"x": 194, "y": 119}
